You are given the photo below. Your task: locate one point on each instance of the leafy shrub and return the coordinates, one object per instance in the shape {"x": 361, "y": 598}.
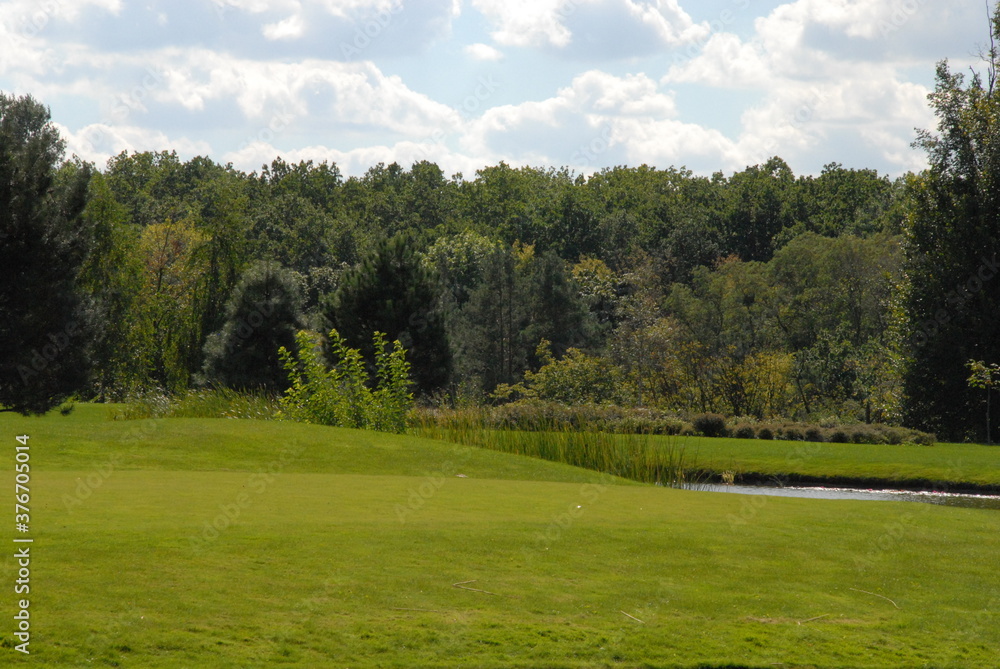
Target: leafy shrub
{"x": 744, "y": 432}
{"x": 862, "y": 436}
{"x": 839, "y": 437}
{"x": 710, "y": 424}
{"x": 340, "y": 396}
{"x": 793, "y": 434}
{"x": 765, "y": 433}
{"x": 814, "y": 434}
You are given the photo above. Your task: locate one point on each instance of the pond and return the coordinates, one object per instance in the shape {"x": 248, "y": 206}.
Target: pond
{"x": 944, "y": 498}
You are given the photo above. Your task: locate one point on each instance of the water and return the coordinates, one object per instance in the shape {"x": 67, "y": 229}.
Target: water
{"x": 927, "y": 497}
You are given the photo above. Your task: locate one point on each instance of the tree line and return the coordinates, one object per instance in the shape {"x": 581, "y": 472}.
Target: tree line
{"x": 761, "y": 294}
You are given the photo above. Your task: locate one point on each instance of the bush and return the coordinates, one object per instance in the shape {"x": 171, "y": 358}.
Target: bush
{"x": 765, "y": 433}
{"x": 839, "y": 437}
{"x": 814, "y": 434}
{"x": 892, "y": 436}
{"x": 710, "y": 424}
{"x": 341, "y": 396}
{"x": 793, "y": 434}
{"x": 744, "y": 432}
{"x": 862, "y": 436}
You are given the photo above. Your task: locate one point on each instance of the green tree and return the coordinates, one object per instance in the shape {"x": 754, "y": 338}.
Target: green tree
{"x": 985, "y": 377}
{"x": 758, "y": 209}
{"x": 168, "y": 309}
{"x": 953, "y": 252}
{"x": 45, "y": 328}
{"x": 392, "y": 291}
{"x": 113, "y": 276}
{"x": 263, "y": 315}
{"x": 489, "y": 348}
{"x": 576, "y": 378}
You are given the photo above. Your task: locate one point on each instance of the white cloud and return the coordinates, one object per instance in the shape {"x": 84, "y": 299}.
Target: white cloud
{"x": 726, "y": 61}
{"x": 359, "y": 93}
{"x": 616, "y": 28}
{"x": 482, "y": 52}
{"x": 290, "y": 28}
{"x": 528, "y": 22}
{"x": 99, "y": 142}
{"x": 663, "y": 143}
{"x": 587, "y": 117}
{"x": 258, "y": 6}
{"x": 349, "y": 8}
{"x": 30, "y": 18}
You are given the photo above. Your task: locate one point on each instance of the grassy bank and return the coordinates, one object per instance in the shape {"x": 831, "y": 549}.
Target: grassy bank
{"x": 218, "y": 543}
{"x": 952, "y": 466}
{"x": 681, "y": 460}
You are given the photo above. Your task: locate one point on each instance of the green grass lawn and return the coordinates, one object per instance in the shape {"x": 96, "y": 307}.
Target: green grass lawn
{"x": 334, "y": 548}
{"x": 947, "y": 465}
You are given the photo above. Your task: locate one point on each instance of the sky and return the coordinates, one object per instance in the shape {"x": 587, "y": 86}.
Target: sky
{"x": 713, "y": 85}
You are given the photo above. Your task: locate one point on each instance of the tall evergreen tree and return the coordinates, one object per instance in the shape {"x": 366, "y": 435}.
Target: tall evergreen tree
{"x": 392, "y": 292}
{"x": 44, "y": 330}
{"x": 262, "y": 315}
{"x": 954, "y": 248}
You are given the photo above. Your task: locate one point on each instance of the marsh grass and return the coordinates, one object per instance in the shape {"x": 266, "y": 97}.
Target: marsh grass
{"x": 632, "y": 456}
{"x": 213, "y": 403}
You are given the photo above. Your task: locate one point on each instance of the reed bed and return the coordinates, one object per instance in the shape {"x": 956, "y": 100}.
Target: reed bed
{"x": 631, "y": 456}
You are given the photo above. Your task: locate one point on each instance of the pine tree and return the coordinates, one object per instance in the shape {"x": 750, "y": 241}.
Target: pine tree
{"x": 45, "y": 327}
{"x": 392, "y": 292}
{"x": 263, "y": 315}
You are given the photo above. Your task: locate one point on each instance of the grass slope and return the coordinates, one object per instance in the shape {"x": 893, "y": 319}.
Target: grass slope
{"x": 345, "y": 555}
{"x": 947, "y": 465}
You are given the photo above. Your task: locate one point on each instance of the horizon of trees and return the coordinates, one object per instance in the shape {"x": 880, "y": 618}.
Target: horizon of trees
{"x": 761, "y": 294}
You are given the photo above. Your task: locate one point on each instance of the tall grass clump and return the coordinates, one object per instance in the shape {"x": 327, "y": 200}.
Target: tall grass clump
{"x": 205, "y": 403}
{"x": 341, "y": 396}
{"x": 626, "y": 455}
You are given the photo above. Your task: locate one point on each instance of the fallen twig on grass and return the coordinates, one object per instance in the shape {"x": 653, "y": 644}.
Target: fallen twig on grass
{"x": 809, "y": 620}
{"x": 632, "y": 617}
{"x": 876, "y": 595}
{"x": 461, "y": 584}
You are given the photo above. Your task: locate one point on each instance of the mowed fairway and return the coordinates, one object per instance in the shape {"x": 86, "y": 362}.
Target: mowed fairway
{"x": 213, "y": 543}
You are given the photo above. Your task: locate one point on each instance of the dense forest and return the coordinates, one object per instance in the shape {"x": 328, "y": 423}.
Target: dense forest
{"x": 759, "y": 294}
